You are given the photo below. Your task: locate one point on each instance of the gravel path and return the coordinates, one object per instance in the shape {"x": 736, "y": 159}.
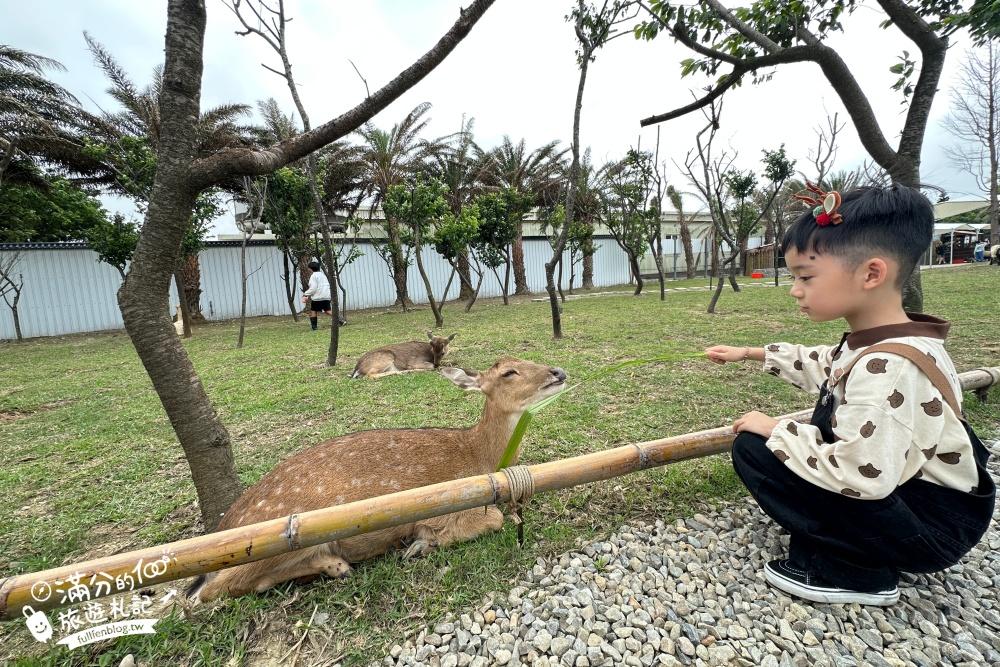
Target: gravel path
{"x": 693, "y": 593}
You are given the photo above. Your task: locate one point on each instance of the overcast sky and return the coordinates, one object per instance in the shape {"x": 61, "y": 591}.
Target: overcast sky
{"x": 515, "y": 74}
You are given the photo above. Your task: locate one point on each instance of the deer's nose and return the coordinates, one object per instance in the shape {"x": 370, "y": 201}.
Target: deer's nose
{"x": 559, "y": 373}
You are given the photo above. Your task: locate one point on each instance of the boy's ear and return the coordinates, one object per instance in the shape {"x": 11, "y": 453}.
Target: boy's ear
{"x": 876, "y": 272}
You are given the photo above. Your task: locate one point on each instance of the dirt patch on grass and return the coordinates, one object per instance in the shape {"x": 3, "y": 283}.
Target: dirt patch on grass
{"x": 9, "y": 416}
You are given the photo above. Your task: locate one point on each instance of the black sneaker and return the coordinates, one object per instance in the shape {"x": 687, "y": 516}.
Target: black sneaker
{"x": 785, "y": 576}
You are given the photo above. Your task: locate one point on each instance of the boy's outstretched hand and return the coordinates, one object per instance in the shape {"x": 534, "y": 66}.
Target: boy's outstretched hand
{"x": 720, "y": 354}
{"x": 755, "y": 422}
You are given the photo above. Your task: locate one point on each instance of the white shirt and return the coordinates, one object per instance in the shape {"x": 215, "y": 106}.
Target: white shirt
{"x": 319, "y": 287}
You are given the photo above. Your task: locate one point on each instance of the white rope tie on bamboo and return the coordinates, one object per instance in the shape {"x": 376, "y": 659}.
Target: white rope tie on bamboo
{"x": 522, "y": 487}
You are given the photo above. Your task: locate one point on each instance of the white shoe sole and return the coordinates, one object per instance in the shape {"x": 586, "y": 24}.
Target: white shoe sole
{"x": 829, "y": 595}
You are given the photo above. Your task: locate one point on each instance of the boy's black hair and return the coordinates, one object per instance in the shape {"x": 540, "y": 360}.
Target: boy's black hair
{"x": 895, "y": 222}
{"x": 314, "y": 265}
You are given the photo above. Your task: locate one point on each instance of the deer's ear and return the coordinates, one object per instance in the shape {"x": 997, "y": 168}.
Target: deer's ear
{"x": 452, "y": 337}
{"x": 466, "y": 379}
{"x": 430, "y": 334}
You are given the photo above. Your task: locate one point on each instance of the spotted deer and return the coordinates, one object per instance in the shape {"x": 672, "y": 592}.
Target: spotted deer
{"x": 403, "y": 357}
{"x": 366, "y": 464}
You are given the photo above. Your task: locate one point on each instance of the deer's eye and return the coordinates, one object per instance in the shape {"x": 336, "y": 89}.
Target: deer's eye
{"x": 509, "y": 373}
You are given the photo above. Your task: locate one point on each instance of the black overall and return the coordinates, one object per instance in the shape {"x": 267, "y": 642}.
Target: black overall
{"x": 862, "y": 545}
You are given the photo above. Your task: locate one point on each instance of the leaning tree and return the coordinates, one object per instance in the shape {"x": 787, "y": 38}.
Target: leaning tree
{"x": 181, "y": 175}
{"x": 732, "y": 45}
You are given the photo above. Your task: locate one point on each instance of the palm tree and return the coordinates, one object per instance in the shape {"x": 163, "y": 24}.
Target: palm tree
{"x": 392, "y": 158}
{"x": 129, "y": 140}
{"x": 536, "y": 173}
{"x": 277, "y": 126}
{"x": 344, "y": 177}
{"x": 587, "y": 203}
{"x": 462, "y": 167}
{"x": 137, "y": 123}
{"x": 38, "y": 118}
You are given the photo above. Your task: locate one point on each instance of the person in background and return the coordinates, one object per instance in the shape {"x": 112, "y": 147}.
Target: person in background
{"x": 980, "y": 249}
{"x": 939, "y": 251}
{"x": 319, "y": 294}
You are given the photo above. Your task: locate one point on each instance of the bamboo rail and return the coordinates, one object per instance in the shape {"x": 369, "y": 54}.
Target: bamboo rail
{"x": 187, "y": 558}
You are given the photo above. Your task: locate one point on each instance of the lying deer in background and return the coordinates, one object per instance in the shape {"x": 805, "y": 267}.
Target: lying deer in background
{"x": 403, "y": 357}
{"x": 366, "y": 464}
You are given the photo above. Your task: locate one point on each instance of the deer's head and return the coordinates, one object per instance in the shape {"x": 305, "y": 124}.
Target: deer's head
{"x": 514, "y": 384}
{"x": 439, "y": 346}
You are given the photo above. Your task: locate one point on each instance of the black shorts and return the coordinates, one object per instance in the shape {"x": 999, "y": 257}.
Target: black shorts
{"x": 317, "y": 306}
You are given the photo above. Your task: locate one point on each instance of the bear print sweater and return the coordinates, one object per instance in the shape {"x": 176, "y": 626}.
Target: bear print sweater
{"x": 891, "y": 424}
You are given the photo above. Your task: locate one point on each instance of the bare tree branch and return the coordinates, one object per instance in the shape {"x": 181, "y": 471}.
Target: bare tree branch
{"x": 228, "y": 163}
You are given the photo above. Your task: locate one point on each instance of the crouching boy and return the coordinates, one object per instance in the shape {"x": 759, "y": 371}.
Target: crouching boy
{"x": 887, "y": 476}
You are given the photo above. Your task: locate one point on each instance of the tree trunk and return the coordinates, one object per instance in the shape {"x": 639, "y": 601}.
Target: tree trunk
{"x": 517, "y": 259}
{"x": 243, "y": 291}
{"x": 475, "y": 294}
{"x": 715, "y": 295}
{"x": 398, "y": 266}
{"x": 438, "y": 321}
{"x": 587, "y": 48}
{"x": 191, "y": 272}
{"x": 588, "y": 265}
{"x": 286, "y": 276}
{"x": 464, "y": 277}
{"x": 633, "y": 263}
{"x": 331, "y": 352}
{"x": 658, "y": 258}
{"x": 690, "y": 264}
{"x": 15, "y": 315}
{"x": 506, "y": 280}
{"x": 719, "y": 268}
{"x": 559, "y": 277}
{"x": 994, "y": 159}
{"x": 144, "y": 296}
{"x": 572, "y": 273}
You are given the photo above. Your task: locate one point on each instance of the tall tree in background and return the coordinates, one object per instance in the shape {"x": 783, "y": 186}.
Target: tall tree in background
{"x": 736, "y": 203}
{"x": 587, "y": 200}
{"x": 461, "y": 166}
{"x": 288, "y": 213}
{"x": 683, "y": 221}
{"x": 11, "y": 284}
{"x": 125, "y": 145}
{"x": 535, "y": 173}
{"x": 271, "y": 26}
{"x": 594, "y": 28}
{"x": 421, "y": 207}
{"x": 39, "y": 120}
{"x": 392, "y": 158}
{"x": 181, "y": 174}
{"x": 752, "y": 40}
{"x": 500, "y": 214}
{"x": 628, "y": 185}
{"x": 114, "y": 241}
{"x": 345, "y": 185}
{"x": 454, "y": 239}
{"x": 287, "y": 209}
{"x": 975, "y": 122}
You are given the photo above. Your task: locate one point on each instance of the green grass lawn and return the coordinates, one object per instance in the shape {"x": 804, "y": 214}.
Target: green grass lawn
{"x": 92, "y": 466}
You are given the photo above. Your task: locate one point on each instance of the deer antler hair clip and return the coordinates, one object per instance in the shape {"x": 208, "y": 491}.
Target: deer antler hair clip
{"x": 825, "y": 208}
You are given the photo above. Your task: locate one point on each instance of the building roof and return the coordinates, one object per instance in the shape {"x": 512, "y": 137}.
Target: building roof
{"x": 947, "y": 209}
